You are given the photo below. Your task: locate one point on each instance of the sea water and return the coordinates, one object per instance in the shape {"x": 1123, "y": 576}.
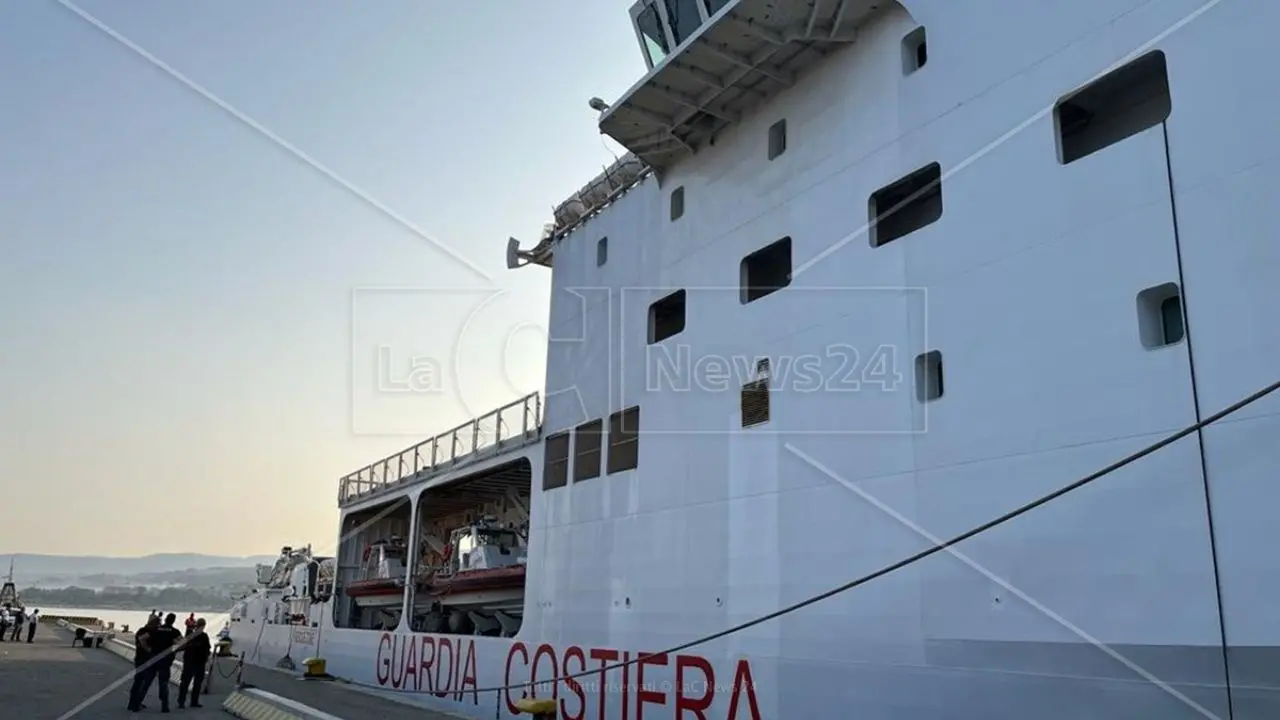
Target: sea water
{"x": 135, "y": 618}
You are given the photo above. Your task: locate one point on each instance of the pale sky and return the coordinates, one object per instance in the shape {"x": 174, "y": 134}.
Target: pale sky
{"x": 190, "y": 315}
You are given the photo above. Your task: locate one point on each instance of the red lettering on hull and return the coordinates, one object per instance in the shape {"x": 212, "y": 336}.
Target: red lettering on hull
{"x": 643, "y": 693}
{"x": 572, "y": 683}
{"x": 698, "y": 706}
{"x": 446, "y": 668}
{"x": 694, "y": 691}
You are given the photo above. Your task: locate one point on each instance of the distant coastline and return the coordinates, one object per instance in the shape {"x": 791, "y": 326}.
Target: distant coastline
{"x": 211, "y": 600}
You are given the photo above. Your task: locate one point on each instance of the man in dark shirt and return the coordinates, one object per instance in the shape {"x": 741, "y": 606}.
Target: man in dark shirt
{"x": 159, "y": 644}
{"x": 195, "y": 656}
{"x": 143, "y": 668}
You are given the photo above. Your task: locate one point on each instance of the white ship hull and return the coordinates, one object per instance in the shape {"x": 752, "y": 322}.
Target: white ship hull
{"x": 1148, "y": 594}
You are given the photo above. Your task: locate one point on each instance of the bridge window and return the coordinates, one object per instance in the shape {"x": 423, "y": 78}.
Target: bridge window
{"x": 907, "y": 205}
{"x": 586, "y": 450}
{"x": 677, "y": 203}
{"x": 766, "y": 270}
{"x": 624, "y": 440}
{"x": 649, "y": 23}
{"x": 684, "y": 17}
{"x": 555, "y": 463}
{"x": 666, "y": 317}
{"x": 1116, "y": 106}
{"x": 602, "y": 251}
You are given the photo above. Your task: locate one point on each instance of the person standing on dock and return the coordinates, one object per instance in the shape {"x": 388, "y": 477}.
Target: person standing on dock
{"x": 5, "y": 619}
{"x": 195, "y": 656}
{"x": 32, "y": 621}
{"x": 19, "y": 619}
{"x": 143, "y": 668}
{"x": 162, "y": 641}
{"x": 191, "y": 624}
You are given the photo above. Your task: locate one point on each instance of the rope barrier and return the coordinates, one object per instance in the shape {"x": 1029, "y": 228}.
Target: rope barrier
{"x": 911, "y": 559}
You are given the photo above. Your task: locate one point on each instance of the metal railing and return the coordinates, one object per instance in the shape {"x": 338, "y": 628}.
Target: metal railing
{"x": 479, "y": 437}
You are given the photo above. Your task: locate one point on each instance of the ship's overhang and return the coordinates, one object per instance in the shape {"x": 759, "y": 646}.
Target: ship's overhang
{"x": 509, "y": 481}
{"x": 741, "y": 56}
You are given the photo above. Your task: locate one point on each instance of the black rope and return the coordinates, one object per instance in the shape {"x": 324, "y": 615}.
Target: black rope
{"x": 233, "y": 670}
{"x": 920, "y": 555}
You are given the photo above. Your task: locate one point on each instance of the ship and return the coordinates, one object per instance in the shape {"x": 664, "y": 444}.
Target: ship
{"x": 9, "y": 592}
{"x": 869, "y": 275}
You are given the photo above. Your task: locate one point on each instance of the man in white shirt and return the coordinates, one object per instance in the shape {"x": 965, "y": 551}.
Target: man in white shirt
{"x": 5, "y": 621}
{"x": 32, "y": 620}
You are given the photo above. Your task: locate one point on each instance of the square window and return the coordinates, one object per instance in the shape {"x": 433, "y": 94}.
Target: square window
{"x": 666, "y": 317}
{"x": 1116, "y": 106}
{"x": 906, "y": 205}
{"x": 766, "y": 270}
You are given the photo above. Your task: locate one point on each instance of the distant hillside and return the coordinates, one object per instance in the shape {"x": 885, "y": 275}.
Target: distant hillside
{"x": 90, "y": 571}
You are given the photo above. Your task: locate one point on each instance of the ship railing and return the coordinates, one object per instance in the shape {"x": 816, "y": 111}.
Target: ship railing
{"x": 512, "y": 425}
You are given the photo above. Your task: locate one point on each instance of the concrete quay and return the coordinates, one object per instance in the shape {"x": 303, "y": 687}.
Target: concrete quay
{"x": 58, "y": 678}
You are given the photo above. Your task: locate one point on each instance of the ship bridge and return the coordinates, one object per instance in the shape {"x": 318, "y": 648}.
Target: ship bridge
{"x": 711, "y": 62}
{"x": 510, "y": 427}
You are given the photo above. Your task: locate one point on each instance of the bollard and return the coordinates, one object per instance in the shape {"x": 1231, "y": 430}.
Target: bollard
{"x": 540, "y": 709}
{"x": 314, "y": 667}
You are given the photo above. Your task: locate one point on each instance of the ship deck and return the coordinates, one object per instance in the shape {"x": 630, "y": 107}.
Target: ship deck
{"x": 487, "y": 437}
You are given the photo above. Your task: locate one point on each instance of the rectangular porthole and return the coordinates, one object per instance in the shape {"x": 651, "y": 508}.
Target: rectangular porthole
{"x": 555, "y": 463}
{"x": 666, "y": 317}
{"x": 929, "y": 376}
{"x": 901, "y": 208}
{"x": 602, "y": 251}
{"x": 777, "y": 139}
{"x": 1160, "y": 320}
{"x": 587, "y": 442}
{"x": 766, "y": 270}
{"x": 1114, "y": 107}
{"x": 624, "y": 440}
{"x": 677, "y": 203}
{"x": 915, "y": 51}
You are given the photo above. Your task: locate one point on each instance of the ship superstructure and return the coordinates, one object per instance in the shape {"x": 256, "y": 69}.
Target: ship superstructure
{"x": 9, "y": 591}
{"x": 870, "y": 274}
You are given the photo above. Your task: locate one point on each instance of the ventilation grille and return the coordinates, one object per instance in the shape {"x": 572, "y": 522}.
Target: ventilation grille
{"x": 755, "y": 403}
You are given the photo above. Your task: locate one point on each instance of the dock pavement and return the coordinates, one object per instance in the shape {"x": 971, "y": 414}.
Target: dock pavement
{"x": 55, "y": 678}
